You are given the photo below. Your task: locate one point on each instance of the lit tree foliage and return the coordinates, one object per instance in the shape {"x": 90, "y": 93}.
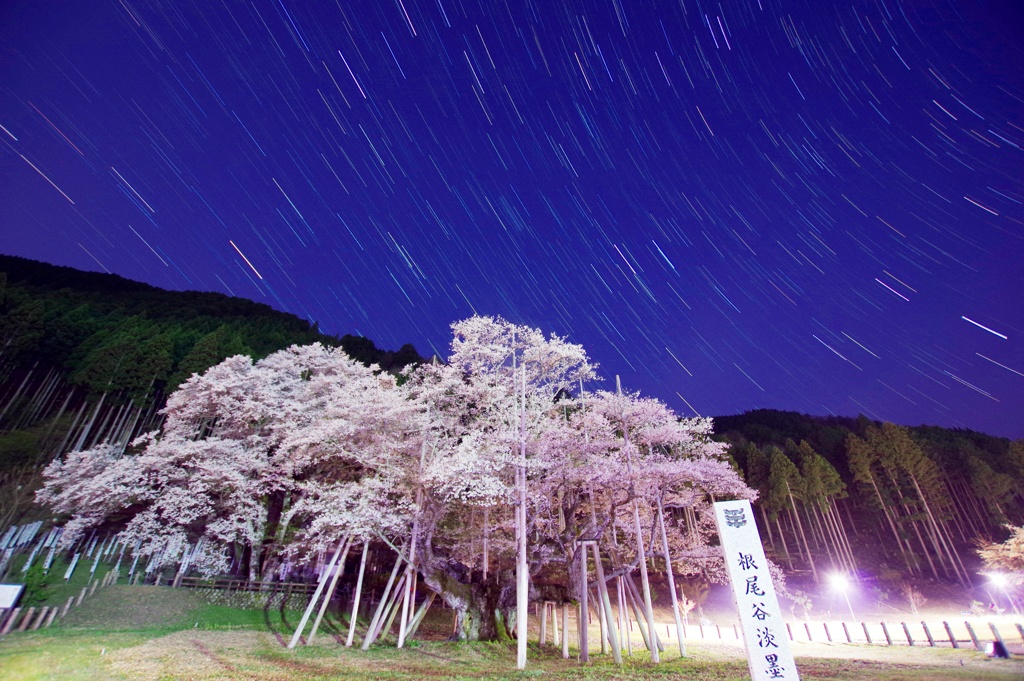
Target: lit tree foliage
{"x": 235, "y": 448}
{"x": 1006, "y": 557}
{"x": 287, "y": 455}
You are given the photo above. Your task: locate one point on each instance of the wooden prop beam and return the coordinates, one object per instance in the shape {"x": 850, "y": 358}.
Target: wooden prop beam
{"x": 368, "y": 639}
{"x": 607, "y": 619}
{"x": 355, "y": 600}
{"x": 338, "y": 569}
{"x": 316, "y": 597}
{"x": 671, "y": 579}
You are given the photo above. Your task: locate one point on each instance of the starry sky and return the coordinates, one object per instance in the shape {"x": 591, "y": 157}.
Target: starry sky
{"x": 791, "y": 204}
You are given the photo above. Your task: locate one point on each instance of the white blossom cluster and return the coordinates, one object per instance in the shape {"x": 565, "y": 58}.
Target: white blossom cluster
{"x": 351, "y": 450}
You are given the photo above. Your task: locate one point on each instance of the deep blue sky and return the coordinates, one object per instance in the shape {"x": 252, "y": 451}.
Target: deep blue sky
{"x": 733, "y": 205}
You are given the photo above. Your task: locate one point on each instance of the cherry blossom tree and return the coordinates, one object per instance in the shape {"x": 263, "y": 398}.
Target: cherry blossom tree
{"x": 484, "y": 473}
{"x": 648, "y": 469}
{"x": 237, "y": 449}
{"x": 593, "y": 462}
{"x": 1006, "y": 558}
{"x": 489, "y": 411}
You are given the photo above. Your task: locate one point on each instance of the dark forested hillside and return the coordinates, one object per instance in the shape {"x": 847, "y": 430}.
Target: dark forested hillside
{"x": 88, "y": 357}
{"x": 876, "y": 499}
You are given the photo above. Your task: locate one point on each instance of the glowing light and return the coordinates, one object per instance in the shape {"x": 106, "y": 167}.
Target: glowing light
{"x": 839, "y": 581}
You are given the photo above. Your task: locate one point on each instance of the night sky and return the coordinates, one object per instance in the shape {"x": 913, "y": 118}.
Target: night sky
{"x": 810, "y": 205}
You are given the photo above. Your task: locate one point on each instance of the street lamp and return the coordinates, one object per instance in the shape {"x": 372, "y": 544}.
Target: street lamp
{"x": 840, "y": 582}
{"x": 1001, "y": 582}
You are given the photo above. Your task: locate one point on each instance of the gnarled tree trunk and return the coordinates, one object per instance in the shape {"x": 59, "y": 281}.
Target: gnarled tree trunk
{"x": 485, "y": 610}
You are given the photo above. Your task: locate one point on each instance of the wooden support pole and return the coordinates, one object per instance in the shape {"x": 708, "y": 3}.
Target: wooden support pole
{"x": 949, "y": 632}
{"x": 25, "y": 620}
{"x": 418, "y": 618}
{"x": 487, "y": 560}
{"x": 595, "y": 598}
{"x": 368, "y": 639}
{"x": 12, "y": 615}
{"x": 554, "y": 624}
{"x": 645, "y": 581}
{"x": 522, "y": 564}
{"x": 392, "y": 610}
{"x": 565, "y": 631}
{"x": 543, "y": 624}
{"x": 671, "y": 578}
{"x": 339, "y": 568}
{"x": 584, "y": 609}
{"x": 974, "y": 637}
{"x": 654, "y": 638}
{"x": 40, "y": 617}
{"x": 641, "y": 552}
{"x": 928, "y": 633}
{"x": 637, "y": 613}
{"x": 316, "y": 596}
{"x": 409, "y": 594}
{"x": 624, "y": 628}
{"x": 355, "y": 599}
{"x": 607, "y": 621}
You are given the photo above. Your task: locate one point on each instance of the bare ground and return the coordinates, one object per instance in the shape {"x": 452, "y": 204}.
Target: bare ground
{"x": 215, "y": 655}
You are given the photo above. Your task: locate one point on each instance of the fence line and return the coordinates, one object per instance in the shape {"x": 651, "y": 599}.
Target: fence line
{"x": 937, "y": 634}
{"x": 298, "y": 588}
{"x": 32, "y": 618}
{"x": 953, "y": 634}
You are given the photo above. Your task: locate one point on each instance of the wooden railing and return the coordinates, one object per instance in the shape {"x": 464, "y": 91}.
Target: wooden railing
{"x": 247, "y": 585}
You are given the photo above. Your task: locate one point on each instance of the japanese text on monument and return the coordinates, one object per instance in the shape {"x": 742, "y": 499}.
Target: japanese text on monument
{"x": 764, "y": 632}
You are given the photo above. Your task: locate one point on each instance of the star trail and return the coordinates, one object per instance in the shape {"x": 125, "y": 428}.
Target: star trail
{"x": 802, "y": 205}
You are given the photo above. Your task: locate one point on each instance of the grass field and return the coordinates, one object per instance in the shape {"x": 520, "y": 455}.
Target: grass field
{"x": 125, "y": 632}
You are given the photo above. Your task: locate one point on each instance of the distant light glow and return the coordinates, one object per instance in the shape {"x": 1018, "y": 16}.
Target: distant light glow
{"x": 839, "y": 581}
